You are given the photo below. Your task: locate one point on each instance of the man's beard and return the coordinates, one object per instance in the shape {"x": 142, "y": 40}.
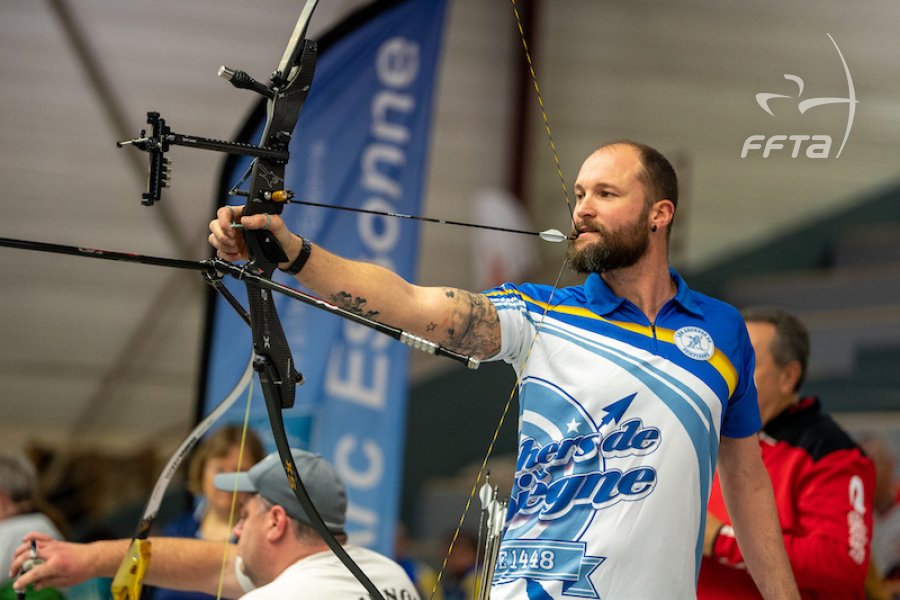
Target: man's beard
{"x": 614, "y": 250}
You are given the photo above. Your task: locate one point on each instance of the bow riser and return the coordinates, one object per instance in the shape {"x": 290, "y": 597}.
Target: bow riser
{"x": 276, "y": 367}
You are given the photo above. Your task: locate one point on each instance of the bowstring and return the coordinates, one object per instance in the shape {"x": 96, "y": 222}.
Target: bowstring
{"x": 565, "y": 189}
{"x": 234, "y": 492}
{"x": 544, "y": 116}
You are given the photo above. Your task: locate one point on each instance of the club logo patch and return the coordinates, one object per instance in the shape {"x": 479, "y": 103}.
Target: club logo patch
{"x": 695, "y": 343}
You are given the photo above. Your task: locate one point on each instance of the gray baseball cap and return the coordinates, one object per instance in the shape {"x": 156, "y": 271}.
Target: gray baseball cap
{"x": 268, "y": 479}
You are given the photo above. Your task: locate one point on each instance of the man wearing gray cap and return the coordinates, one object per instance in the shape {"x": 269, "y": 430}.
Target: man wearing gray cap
{"x": 278, "y": 554}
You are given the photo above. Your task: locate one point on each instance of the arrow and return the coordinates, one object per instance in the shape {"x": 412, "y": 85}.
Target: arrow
{"x": 548, "y": 235}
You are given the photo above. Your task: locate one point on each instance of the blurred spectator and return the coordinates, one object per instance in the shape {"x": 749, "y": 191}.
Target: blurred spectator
{"x": 22, "y": 509}
{"x": 823, "y": 481}
{"x": 460, "y": 578}
{"x": 886, "y": 536}
{"x": 210, "y": 518}
{"x": 421, "y": 574}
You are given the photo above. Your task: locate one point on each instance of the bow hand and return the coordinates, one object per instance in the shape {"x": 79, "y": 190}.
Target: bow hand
{"x": 228, "y": 228}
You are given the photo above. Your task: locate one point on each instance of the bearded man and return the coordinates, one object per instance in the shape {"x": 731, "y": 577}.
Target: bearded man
{"x": 632, "y": 387}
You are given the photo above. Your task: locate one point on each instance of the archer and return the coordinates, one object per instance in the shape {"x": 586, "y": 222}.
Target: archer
{"x": 623, "y": 332}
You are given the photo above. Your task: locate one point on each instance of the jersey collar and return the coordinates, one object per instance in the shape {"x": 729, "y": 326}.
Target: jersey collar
{"x": 603, "y": 301}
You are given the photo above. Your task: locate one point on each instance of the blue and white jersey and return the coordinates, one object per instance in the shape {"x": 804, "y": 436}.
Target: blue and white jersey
{"x": 619, "y": 428}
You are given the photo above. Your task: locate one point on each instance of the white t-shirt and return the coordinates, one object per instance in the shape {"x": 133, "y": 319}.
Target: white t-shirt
{"x": 323, "y": 575}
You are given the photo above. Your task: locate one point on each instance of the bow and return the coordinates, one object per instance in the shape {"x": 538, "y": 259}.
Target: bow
{"x": 273, "y": 362}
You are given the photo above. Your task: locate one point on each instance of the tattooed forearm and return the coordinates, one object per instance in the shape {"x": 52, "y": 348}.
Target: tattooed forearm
{"x": 473, "y": 326}
{"x": 356, "y": 304}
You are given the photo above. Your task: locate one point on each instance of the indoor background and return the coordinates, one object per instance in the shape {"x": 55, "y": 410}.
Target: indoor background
{"x": 104, "y": 357}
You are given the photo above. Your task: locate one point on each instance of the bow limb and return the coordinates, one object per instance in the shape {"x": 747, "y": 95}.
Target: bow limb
{"x": 129, "y": 577}
{"x": 287, "y": 461}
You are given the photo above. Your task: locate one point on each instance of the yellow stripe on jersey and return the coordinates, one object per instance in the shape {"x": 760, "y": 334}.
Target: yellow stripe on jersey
{"x": 718, "y": 360}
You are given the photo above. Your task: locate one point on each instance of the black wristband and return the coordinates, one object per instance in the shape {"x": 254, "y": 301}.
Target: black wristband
{"x": 296, "y": 266}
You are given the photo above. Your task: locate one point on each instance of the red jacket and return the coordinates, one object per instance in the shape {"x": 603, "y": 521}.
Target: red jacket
{"x": 823, "y": 485}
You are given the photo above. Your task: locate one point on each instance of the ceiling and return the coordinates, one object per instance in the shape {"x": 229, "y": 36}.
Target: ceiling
{"x": 98, "y": 353}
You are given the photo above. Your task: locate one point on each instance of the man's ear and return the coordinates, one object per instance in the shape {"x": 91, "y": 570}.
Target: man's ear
{"x": 278, "y": 524}
{"x": 662, "y": 212}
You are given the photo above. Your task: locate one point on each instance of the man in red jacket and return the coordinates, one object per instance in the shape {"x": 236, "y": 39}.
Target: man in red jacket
{"x": 823, "y": 481}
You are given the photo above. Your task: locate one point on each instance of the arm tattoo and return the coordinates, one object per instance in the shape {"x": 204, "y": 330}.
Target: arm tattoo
{"x": 356, "y": 305}
{"x": 473, "y": 326}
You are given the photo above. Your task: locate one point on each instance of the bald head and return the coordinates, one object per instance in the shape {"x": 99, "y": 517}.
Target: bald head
{"x": 656, "y": 172}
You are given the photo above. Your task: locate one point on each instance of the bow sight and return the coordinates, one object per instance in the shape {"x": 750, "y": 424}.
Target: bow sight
{"x": 285, "y": 93}
{"x": 162, "y": 137}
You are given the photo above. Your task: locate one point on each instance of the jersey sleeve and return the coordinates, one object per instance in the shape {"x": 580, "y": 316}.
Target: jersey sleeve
{"x": 741, "y": 416}
{"x": 517, "y": 327}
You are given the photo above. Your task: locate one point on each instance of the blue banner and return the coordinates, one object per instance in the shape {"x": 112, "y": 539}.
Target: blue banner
{"x": 361, "y": 141}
